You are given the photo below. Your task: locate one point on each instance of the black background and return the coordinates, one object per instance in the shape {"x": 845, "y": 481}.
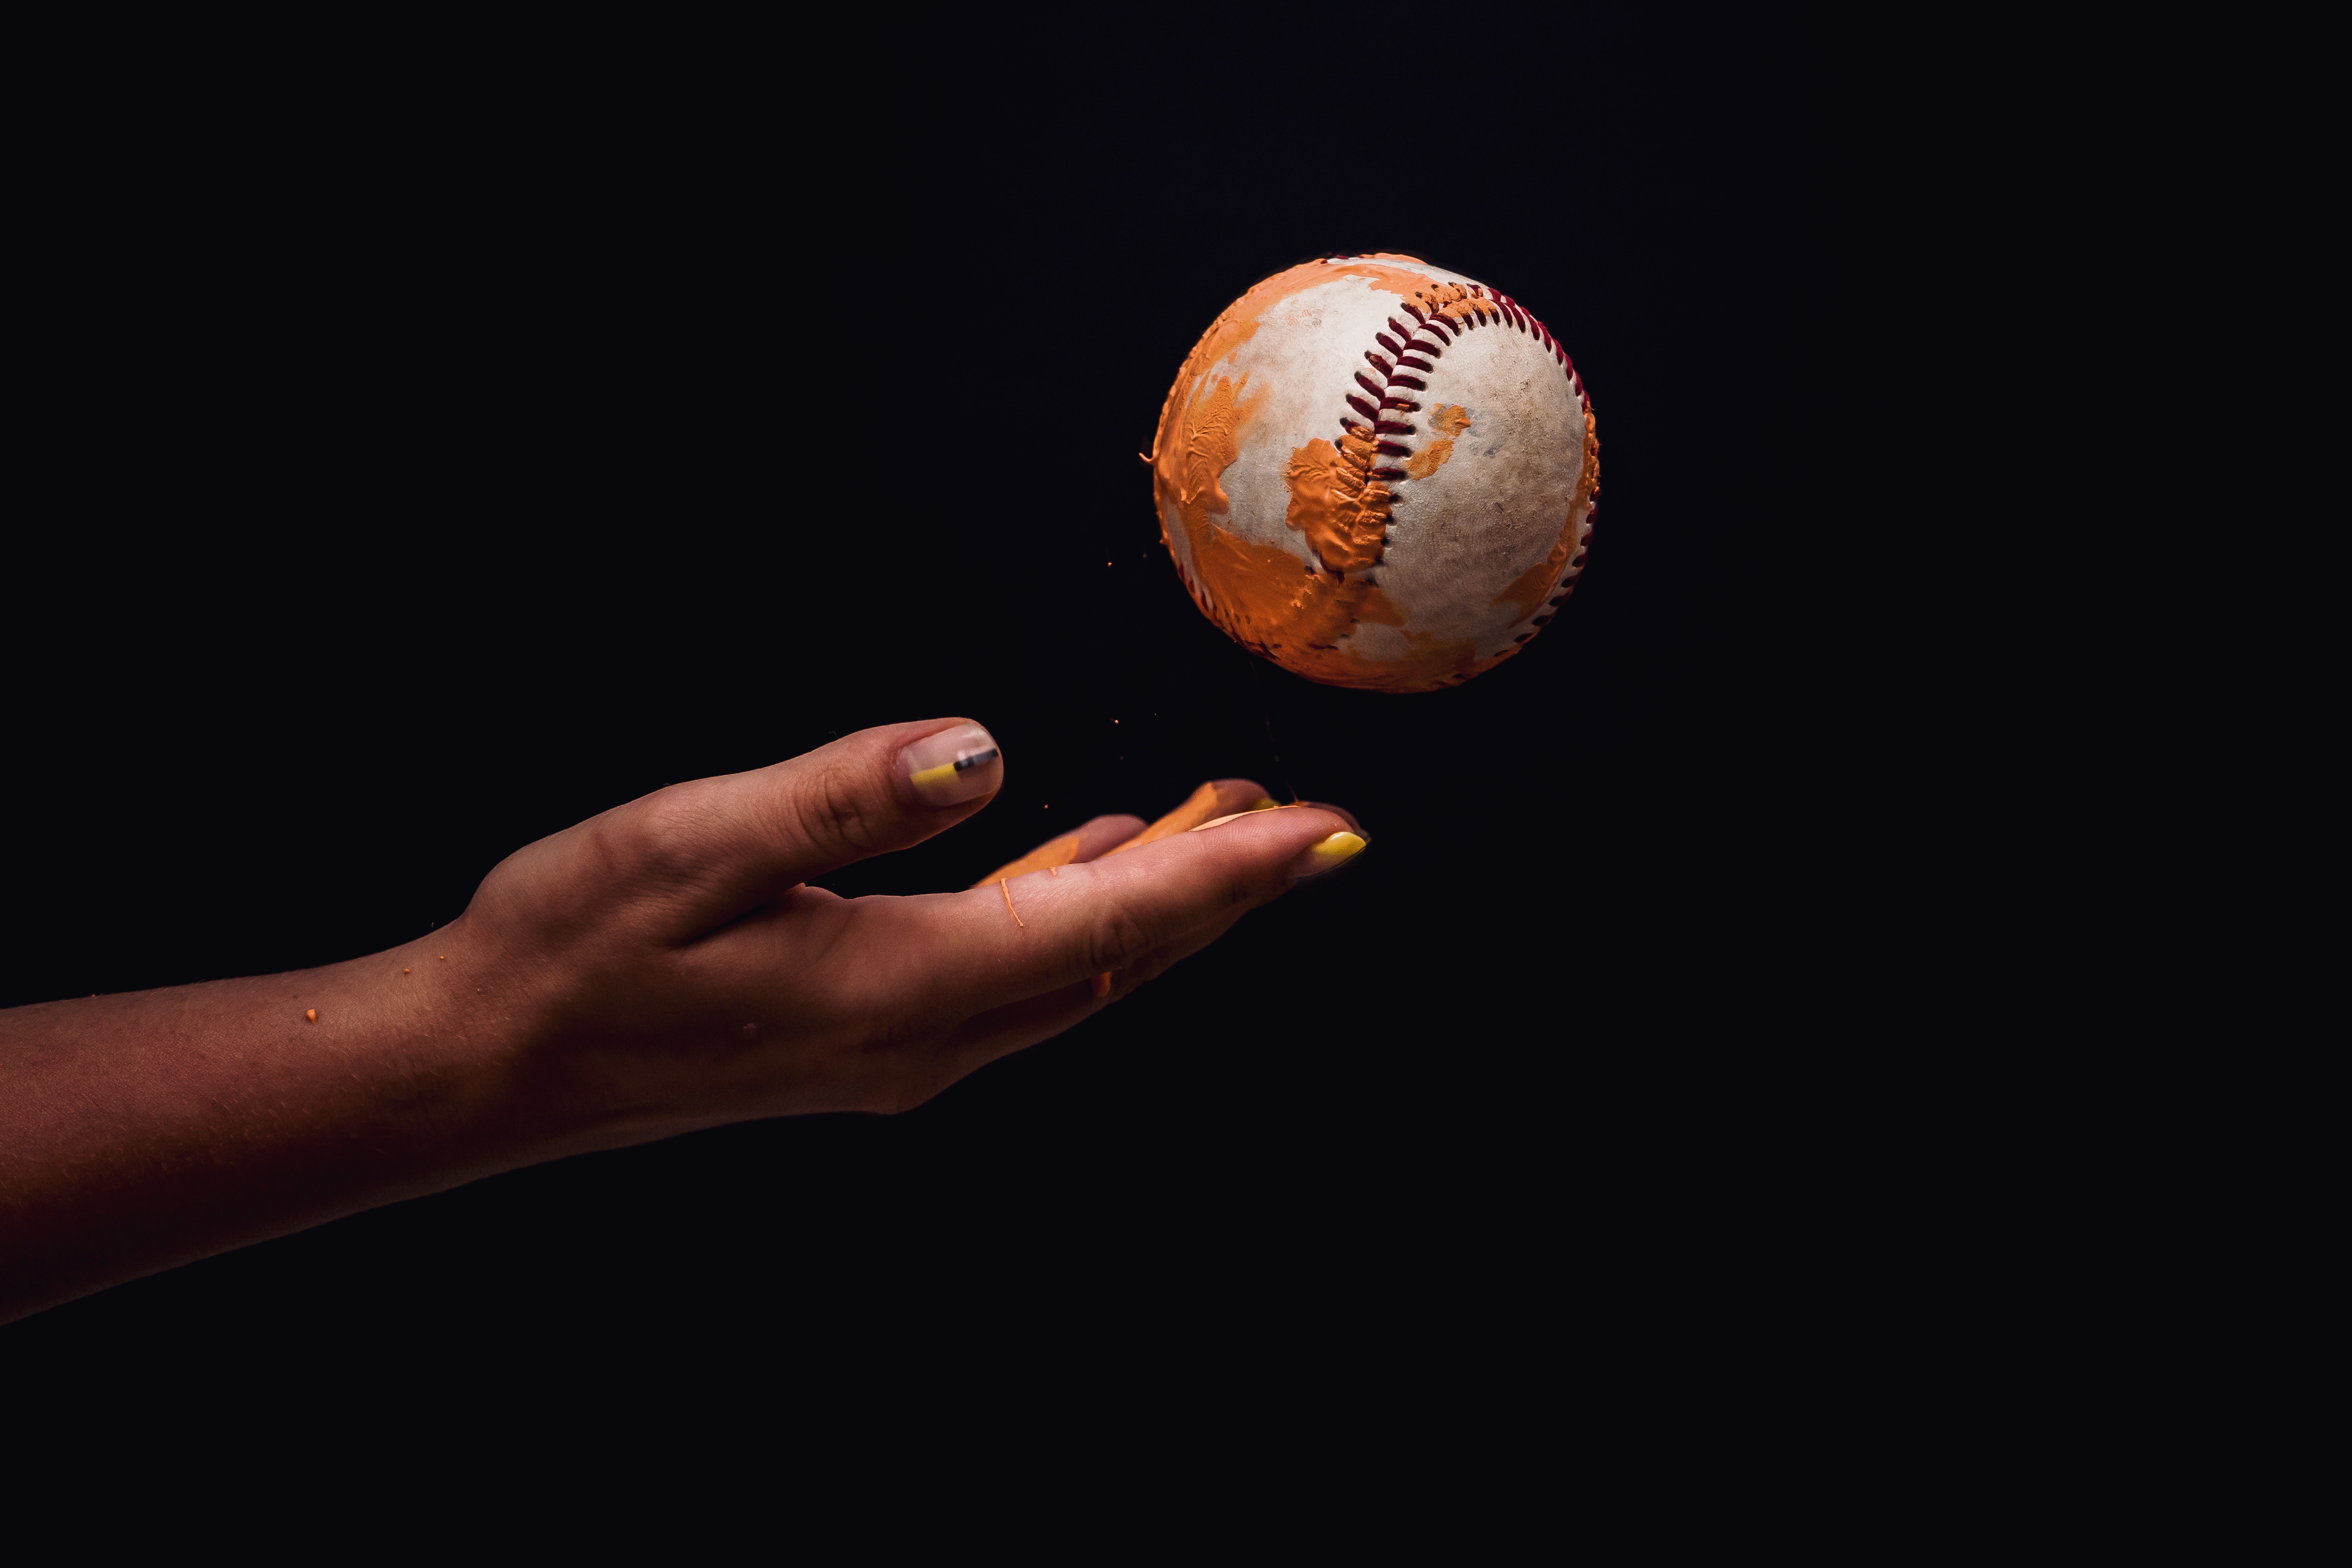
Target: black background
{"x": 433, "y": 464}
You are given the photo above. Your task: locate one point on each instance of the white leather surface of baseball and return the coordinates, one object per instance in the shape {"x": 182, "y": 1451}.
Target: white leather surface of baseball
{"x": 1377, "y": 473}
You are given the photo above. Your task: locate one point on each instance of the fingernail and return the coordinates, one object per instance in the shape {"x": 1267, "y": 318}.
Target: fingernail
{"x": 1317, "y": 858}
{"x": 954, "y": 765}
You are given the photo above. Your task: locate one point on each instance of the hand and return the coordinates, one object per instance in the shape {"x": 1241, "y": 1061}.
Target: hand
{"x": 687, "y": 973}
{"x": 661, "y": 967}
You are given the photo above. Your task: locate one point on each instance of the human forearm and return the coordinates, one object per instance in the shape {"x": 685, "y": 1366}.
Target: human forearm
{"x": 661, "y": 967}
{"x": 146, "y": 1129}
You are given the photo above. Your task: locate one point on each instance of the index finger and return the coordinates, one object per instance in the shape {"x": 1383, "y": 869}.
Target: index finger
{"x": 1014, "y": 939}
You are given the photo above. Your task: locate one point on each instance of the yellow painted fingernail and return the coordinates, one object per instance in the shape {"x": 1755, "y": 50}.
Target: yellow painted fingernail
{"x": 954, "y": 765}
{"x": 1333, "y": 851}
{"x": 1266, "y": 802}
{"x": 1338, "y": 848}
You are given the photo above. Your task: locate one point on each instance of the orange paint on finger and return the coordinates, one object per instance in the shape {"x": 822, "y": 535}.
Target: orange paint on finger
{"x": 1006, "y": 889}
{"x": 1053, "y": 853}
{"x": 310, "y": 1016}
{"x": 1102, "y": 984}
{"x": 1211, "y": 800}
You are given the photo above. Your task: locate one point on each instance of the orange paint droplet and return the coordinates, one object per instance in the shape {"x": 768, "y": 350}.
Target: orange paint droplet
{"x": 310, "y": 1016}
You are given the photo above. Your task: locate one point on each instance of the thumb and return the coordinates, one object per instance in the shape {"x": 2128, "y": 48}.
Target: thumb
{"x": 726, "y": 843}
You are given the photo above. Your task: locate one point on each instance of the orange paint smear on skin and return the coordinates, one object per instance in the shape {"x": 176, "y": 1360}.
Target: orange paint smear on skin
{"x": 1217, "y": 798}
{"x": 1212, "y": 799}
{"x": 1197, "y": 808}
{"x": 1046, "y": 856}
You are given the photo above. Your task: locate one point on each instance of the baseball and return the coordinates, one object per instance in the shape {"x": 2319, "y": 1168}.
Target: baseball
{"x": 1377, "y": 473}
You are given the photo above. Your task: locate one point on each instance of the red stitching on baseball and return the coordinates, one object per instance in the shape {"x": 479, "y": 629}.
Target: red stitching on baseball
{"x": 1486, "y": 307}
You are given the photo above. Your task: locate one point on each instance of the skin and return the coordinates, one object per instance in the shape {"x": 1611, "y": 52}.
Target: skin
{"x": 596, "y": 993}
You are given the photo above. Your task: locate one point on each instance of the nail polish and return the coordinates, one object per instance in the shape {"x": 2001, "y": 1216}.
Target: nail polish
{"x": 954, "y": 765}
{"x": 1317, "y": 858}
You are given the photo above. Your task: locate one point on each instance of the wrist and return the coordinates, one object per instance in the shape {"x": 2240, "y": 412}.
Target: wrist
{"x": 450, "y": 1035}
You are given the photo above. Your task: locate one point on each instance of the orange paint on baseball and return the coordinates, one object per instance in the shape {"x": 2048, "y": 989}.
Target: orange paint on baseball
{"x": 1342, "y": 516}
{"x": 1535, "y": 586}
{"x": 1207, "y": 446}
{"x": 1265, "y": 599}
{"x": 1448, "y": 423}
{"x": 1305, "y": 614}
{"x": 1171, "y": 449}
